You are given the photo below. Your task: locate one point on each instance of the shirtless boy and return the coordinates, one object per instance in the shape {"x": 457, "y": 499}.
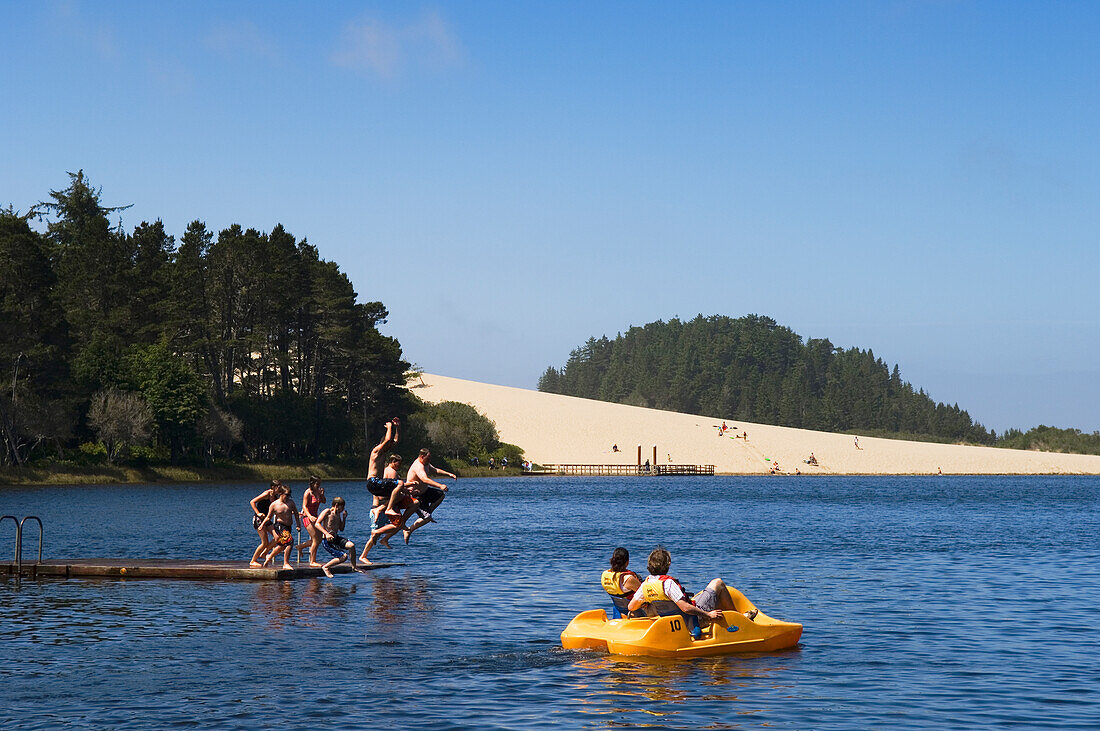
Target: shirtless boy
{"x": 428, "y": 491}
{"x": 329, "y": 523}
{"x": 280, "y": 515}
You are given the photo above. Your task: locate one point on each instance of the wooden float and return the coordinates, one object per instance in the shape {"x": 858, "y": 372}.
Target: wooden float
{"x": 164, "y": 568}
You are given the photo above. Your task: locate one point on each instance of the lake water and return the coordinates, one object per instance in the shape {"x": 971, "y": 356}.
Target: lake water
{"x": 927, "y": 602}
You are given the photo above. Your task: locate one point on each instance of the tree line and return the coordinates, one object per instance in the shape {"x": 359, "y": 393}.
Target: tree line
{"x": 232, "y": 342}
{"x": 753, "y": 369}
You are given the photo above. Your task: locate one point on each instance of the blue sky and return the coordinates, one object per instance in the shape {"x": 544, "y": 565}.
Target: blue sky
{"x": 918, "y": 178}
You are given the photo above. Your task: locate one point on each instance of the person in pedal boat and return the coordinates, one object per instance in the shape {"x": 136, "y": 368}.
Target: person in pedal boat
{"x": 663, "y": 595}
{"x": 620, "y": 582}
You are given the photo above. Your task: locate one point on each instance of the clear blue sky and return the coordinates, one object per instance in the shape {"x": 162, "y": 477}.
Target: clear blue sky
{"x": 918, "y": 178}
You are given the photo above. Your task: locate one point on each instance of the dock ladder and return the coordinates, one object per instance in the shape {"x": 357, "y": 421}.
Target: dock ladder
{"x": 19, "y": 539}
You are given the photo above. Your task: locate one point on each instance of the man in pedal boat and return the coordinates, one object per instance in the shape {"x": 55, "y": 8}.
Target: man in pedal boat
{"x": 620, "y": 582}
{"x": 663, "y": 595}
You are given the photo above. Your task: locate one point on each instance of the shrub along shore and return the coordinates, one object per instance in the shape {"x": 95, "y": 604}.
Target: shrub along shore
{"x": 168, "y": 474}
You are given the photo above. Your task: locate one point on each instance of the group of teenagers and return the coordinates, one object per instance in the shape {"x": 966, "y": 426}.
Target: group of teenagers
{"x": 395, "y": 501}
{"x": 660, "y": 594}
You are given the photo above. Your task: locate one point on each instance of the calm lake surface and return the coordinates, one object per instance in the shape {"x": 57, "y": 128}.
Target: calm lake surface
{"x": 927, "y": 602}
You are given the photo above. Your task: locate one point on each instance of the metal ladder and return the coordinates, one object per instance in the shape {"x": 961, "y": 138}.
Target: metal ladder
{"x": 19, "y": 539}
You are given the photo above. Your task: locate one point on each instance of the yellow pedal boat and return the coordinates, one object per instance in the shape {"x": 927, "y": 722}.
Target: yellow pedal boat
{"x": 671, "y": 636}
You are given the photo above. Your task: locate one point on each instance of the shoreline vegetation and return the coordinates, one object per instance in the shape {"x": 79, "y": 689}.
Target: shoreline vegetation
{"x": 43, "y": 475}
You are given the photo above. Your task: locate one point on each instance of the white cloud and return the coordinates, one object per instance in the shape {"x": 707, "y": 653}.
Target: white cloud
{"x": 372, "y": 46}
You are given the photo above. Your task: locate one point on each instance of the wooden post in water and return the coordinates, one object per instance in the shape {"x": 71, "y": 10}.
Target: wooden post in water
{"x": 639, "y": 455}
{"x": 654, "y": 455}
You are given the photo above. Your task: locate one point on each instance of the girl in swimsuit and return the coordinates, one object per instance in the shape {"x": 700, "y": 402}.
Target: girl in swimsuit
{"x": 312, "y": 500}
{"x": 260, "y": 504}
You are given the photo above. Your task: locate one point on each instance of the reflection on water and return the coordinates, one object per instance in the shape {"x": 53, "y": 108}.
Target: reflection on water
{"x": 466, "y": 634}
{"x": 620, "y": 686}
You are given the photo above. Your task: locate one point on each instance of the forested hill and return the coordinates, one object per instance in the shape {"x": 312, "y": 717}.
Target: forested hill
{"x": 110, "y": 337}
{"x": 753, "y": 369}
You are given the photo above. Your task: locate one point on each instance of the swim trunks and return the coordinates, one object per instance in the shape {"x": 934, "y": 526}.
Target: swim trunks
{"x": 381, "y": 520}
{"x": 380, "y": 486}
{"x": 430, "y": 496}
{"x": 257, "y": 521}
{"x": 335, "y": 546}
{"x": 283, "y": 536}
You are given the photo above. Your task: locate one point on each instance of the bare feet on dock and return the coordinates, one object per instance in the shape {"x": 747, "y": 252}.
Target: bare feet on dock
{"x": 287, "y": 566}
{"x": 315, "y": 565}
{"x": 255, "y": 565}
{"x": 327, "y": 572}
{"x": 361, "y": 570}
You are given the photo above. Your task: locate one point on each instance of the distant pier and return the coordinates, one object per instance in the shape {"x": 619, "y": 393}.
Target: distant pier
{"x": 624, "y": 470}
{"x": 161, "y": 568}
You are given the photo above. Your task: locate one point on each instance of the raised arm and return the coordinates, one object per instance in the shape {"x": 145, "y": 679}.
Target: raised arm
{"x": 258, "y": 498}
{"x": 417, "y": 474}
{"x": 435, "y": 469}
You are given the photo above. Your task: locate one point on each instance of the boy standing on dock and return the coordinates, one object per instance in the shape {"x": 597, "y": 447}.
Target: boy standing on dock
{"x": 280, "y": 515}
{"x": 330, "y": 523}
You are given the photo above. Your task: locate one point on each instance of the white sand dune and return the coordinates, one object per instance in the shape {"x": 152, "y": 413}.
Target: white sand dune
{"x": 554, "y": 429}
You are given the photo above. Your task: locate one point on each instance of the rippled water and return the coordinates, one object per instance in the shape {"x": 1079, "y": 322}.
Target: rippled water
{"x": 927, "y": 602}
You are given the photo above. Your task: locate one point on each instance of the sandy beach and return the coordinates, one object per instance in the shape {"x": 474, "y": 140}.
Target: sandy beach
{"x": 555, "y": 429}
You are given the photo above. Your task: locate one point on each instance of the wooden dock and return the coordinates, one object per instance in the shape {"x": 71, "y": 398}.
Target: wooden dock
{"x": 161, "y": 568}
{"x": 625, "y": 470}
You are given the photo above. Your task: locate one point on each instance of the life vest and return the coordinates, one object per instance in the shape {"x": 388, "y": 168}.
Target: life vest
{"x": 612, "y": 582}
{"x": 653, "y": 589}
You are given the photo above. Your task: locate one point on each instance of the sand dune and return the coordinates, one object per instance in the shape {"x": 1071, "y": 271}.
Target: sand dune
{"x": 554, "y": 429}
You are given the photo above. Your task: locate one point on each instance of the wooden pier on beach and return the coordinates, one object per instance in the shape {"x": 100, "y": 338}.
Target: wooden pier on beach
{"x": 162, "y": 568}
{"x": 624, "y": 470}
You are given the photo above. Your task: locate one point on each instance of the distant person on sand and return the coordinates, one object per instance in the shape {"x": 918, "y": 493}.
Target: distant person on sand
{"x": 282, "y": 515}
{"x": 745, "y": 435}
{"x": 428, "y": 491}
{"x": 329, "y": 524}
{"x": 614, "y": 447}
{"x": 663, "y": 595}
{"x": 619, "y": 581}
{"x": 260, "y": 504}
{"x": 857, "y": 443}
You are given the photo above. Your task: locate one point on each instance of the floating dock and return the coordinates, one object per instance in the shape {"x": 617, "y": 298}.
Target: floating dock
{"x": 163, "y": 568}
